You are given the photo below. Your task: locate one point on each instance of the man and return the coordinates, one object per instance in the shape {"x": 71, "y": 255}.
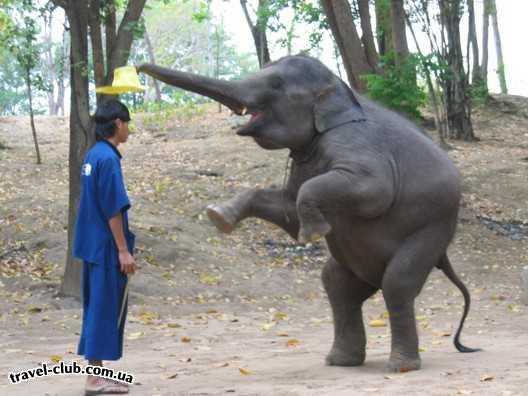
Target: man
{"x": 105, "y": 244}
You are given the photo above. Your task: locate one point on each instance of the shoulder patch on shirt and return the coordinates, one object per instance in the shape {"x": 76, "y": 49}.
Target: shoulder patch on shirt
{"x": 87, "y": 170}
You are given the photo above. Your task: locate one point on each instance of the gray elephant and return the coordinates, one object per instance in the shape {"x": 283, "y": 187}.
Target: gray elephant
{"x": 384, "y": 196}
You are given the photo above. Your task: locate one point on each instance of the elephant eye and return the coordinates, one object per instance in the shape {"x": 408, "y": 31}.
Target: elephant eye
{"x": 276, "y": 82}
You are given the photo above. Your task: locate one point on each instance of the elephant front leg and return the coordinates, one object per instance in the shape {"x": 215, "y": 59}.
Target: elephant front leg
{"x": 273, "y": 205}
{"x": 346, "y": 293}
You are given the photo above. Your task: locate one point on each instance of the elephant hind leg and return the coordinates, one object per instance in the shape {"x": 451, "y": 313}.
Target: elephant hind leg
{"x": 346, "y": 293}
{"x": 403, "y": 280}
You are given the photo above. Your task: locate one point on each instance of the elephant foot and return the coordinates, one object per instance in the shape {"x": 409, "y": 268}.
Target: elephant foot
{"x": 314, "y": 232}
{"x": 403, "y": 365}
{"x": 339, "y": 357}
{"x": 222, "y": 218}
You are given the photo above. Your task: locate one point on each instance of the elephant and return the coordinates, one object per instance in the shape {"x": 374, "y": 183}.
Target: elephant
{"x": 381, "y": 192}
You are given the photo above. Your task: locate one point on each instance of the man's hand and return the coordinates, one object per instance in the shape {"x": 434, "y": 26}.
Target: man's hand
{"x": 127, "y": 262}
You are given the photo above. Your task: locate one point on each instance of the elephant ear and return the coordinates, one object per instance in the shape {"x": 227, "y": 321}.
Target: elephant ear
{"x": 335, "y": 106}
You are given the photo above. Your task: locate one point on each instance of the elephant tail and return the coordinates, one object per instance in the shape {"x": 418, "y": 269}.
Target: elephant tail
{"x": 447, "y": 269}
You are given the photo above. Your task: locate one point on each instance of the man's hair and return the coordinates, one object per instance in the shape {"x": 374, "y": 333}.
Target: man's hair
{"x": 105, "y": 116}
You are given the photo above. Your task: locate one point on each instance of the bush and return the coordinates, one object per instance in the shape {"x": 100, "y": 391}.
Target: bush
{"x": 397, "y": 86}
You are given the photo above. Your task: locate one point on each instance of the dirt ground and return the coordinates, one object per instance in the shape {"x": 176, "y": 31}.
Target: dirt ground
{"x": 245, "y": 314}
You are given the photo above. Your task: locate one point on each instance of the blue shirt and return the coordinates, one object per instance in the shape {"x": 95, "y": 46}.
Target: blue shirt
{"x": 103, "y": 196}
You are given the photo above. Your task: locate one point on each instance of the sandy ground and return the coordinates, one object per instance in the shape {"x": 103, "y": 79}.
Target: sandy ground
{"x": 245, "y": 314}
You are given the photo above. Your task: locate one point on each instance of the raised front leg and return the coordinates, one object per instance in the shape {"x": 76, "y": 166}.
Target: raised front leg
{"x": 346, "y": 293}
{"x": 340, "y": 193}
{"x": 273, "y": 205}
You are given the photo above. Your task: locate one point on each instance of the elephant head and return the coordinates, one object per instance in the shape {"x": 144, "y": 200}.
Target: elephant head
{"x": 291, "y": 100}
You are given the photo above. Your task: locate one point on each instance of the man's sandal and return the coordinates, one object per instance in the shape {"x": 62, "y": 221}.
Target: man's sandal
{"x": 107, "y": 389}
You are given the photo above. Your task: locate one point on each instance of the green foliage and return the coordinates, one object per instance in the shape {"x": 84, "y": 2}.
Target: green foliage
{"x": 479, "y": 93}
{"x": 397, "y": 86}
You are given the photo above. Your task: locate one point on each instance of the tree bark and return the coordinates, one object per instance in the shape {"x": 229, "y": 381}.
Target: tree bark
{"x": 476, "y": 76}
{"x": 498, "y": 47}
{"x": 258, "y": 31}
{"x": 339, "y": 16}
{"x": 399, "y": 37}
{"x": 383, "y": 27}
{"x": 152, "y": 59}
{"x": 110, "y": 30}
{"x": 368, "y": 38}
{"x": 31, "y": 116}
{"x": 455, "y": 82}
{"x": 485, "y": 41}
{"x": 94, "y": 22}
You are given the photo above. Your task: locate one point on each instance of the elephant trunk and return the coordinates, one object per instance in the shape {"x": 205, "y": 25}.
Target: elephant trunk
{"x": 222, "y": 91}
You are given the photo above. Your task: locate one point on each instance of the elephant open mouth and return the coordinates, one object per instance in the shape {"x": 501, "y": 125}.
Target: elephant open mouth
{"x": 248, "y": 129}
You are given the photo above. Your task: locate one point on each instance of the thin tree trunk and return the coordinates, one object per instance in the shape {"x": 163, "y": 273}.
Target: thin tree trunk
{"x": 439, "y": 121}
{"x": 498, "y": 47}
{"x": 94, "y": 23}
{"x": 455, "y": 84}
{"x": 110, "y": 31}
{"x": 50, "y": 64}
{"x": 472, "y": 39}
{"x": 31, "y": 116}
{"x": 485, "y": 41}
{"x": 339, "y": 16}
{"x": 258, "y": 31}
{"x": 152, "y": 59}
{"x": 399, "y": 37}
{"x": 383, "y": 27}
{"x": 368, "y": 38}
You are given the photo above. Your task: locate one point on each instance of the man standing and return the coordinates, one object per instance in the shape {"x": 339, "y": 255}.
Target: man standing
{"x": 105, "y": 244}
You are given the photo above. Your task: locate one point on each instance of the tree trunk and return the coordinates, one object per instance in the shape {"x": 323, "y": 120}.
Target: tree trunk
{"x": 368, "y": 38}
{"x": 399, "y": 37}
{"x": 152, "y": 59}
{"x": 472, "y": 40}
{"x": 339, "y": 16}
{"x": 485, "y": 39}
{"x": 110, "y": 30}
{"x": 455, "y": 83}
{"x": 383, "y": 27}
{"x": 94, "y": 23}
{"x": 498, "y": 46}
{"x": 31, "y": 116}
{"x": 258, "y": 30}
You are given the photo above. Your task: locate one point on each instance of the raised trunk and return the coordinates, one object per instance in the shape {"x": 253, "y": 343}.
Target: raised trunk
{"x": 222, "y": 91}
{"x": 498, "y": 46}
{"x": 368, "y": 38}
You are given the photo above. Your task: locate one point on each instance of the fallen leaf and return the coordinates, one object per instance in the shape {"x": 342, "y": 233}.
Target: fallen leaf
{"x": 244, "y": 371}
{"x": 283, "y": 334}
{"x": 185, "y": 339}
{"x": 173, "y": 325}
{"x": 292, "y": 342}
{"x": 135, "y": 336}
{"x": 56, "y": 358}
{"x": 487, "y": 377}
{"x": 377, "y": 323}
{"x": 171, "y": 376}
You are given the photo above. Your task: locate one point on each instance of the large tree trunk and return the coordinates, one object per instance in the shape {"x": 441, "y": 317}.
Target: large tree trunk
{"x": 258, "y": 30}
{"x": 485, "y": 39}
{"x": 498, "y": 46}
{"x": 455, "y": 84}
{"x": 339, "y": 16}
{"x": 472, "y": 40}
{"x": 368, "y": 38}
{"x": 82, "y": 134}
{"x": 383, "y": 27}
{"x": 399, "y": 37}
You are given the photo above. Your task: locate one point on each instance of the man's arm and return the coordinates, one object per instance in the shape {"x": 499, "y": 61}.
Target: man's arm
{"x": 126, "y": 260}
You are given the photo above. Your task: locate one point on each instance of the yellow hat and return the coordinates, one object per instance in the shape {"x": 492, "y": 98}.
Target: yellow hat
{"x": 125, "y": 80}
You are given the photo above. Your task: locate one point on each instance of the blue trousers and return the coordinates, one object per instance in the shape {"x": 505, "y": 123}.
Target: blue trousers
{"x": 103, "y": 286}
